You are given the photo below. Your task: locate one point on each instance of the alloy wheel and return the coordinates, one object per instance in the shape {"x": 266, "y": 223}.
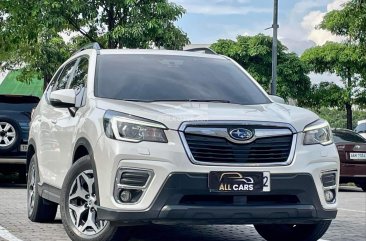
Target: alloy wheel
{"x": 7, "y": 134}
{"x": 31, "y": 188}
{"x": 83, "y": 205}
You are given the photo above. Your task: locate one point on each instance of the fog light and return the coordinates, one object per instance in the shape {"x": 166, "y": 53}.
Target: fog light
{"x": 125, "y": 196}
{"x": 329, "y": 196}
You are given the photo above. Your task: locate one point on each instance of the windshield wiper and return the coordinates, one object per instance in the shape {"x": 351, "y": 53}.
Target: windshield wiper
{"x": 138, "y": 100}
{"x": 192, "y": 100}
{"x": 182, "y": 100}
{"x": 218, "y": 101}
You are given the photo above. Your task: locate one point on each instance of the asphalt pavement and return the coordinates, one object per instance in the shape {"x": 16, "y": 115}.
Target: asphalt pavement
{"x": 350, "y": 224}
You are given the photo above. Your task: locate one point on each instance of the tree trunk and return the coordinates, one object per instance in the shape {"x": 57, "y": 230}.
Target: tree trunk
{"x": 46, "y": 79}
{"x": 349, "y": 116}
{"x": 349, "y": 99}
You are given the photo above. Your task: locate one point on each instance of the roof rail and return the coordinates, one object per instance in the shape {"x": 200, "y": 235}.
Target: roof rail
{"x": 201, "y": 50}
{"x": 94, "y": 45}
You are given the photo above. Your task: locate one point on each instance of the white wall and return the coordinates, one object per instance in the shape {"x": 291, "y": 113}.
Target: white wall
{"x": 2, "y": 76}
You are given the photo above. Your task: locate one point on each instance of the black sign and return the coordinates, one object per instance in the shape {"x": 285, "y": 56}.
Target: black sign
{"x": 236, "y": 181}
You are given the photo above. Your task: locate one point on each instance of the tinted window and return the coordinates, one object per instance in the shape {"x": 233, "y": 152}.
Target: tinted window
{"x": 17, "y": 103}
{"x": 81, "y": 74}
{"x": 361, "y": 128}
{"x": 343, "y": 136}
{"x": 65, "y": 76}
{"x": 52, "y": 83}
{"x": 174, "y": 78}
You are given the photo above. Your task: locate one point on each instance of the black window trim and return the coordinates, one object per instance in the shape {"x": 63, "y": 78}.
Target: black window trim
{"x": 72, "y": 73}
{"x": 83, "y": 91}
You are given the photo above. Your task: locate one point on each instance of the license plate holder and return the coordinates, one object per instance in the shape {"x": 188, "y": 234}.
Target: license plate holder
{"x": 241, "y": 182}
{"x": 23, "y": 148}
{"x": 357, "y": 156}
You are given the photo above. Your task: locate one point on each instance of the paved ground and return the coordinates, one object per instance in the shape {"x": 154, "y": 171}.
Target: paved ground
{"x": 14, "y": 225}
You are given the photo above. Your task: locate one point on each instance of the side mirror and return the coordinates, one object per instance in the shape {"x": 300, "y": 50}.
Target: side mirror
{"x": 277, "y": 99}
{"x": 65, "y": 98}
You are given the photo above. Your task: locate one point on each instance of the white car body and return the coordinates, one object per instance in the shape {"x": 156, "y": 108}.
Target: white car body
{"x": 55, "y": 137}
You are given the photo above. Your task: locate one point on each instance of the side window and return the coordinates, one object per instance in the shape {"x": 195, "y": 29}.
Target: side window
{"x": 52, "y": 83}
{"x": 81, "y": 75}
{"x": 65, "y": 76}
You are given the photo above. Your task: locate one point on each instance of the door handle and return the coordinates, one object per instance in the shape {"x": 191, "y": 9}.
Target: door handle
{"x": 54, "y": 121}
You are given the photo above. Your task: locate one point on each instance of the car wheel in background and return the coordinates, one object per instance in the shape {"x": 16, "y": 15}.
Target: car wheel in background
{"x": 10, "y": 135}
{"x": 291, "y": 232}
{"x": 39, "y": 209}
{"x": 79, "y": 207}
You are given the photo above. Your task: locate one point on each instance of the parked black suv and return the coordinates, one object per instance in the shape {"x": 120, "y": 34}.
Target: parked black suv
{"x": 15, "y": 115}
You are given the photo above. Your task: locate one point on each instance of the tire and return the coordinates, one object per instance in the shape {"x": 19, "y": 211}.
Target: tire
{"x": 288, "y": 232}
{"x": 78, "y": 196}
{"x": 10, "y": 135}
{"x": 39, "y": 209}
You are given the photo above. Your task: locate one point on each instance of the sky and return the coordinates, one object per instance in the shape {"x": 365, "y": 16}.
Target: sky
{"x": 206, "y": 21}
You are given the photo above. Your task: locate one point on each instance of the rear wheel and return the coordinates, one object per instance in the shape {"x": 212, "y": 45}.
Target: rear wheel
{"x": 290, "y": 232}
{"x": 39, "y": 209}
{"x": 79, "y": 207}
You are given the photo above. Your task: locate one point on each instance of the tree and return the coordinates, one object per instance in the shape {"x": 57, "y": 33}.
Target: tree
{"x": 325, "y": 94}
{"x": 346, "y": 59}
{"x": 30, "y": 30}
{"x": 254, "y": 53}
{"x": 350, "y": 21}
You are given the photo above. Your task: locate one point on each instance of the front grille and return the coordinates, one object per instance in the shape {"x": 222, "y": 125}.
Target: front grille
{"x": 220, "y": 150}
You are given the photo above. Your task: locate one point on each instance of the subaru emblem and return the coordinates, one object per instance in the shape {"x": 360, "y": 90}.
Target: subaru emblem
{"x": 241, "y": 134}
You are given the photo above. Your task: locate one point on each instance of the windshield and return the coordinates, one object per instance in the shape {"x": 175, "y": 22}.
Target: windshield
{"x": 343, "y": 136}
{"x": 142, "y": 77}
{"x": 361, "y": 128}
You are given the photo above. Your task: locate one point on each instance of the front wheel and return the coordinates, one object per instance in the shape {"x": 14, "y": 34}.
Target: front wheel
{"x": 79, "y": 207}
{"x": 291, "y": 232}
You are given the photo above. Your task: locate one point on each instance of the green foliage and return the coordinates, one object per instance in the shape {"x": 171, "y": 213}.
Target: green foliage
{"x": 350, "y": 21}
{"x": 254, "y": 53}
{"x": 30, "y": 30}
{"x": 325, "y": 94}
{"x": 120, "y": 23}
{"x": 346, "y": 61}
{"x": 337, "y": 118}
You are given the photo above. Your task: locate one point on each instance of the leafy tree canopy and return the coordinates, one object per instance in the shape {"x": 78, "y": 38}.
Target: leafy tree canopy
{"x": 350, "y": 21}
{"x": 347, "y": 59}
{"x": 30, "y": 30}
{"x": 254, "y": 53}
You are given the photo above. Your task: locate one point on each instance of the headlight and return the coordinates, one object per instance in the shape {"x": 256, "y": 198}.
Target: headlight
{"x": 129, "y": 128}
{"x": 318, "y": 133}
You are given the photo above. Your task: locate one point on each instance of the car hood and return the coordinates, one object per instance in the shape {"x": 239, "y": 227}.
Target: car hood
{"x": 173, "y": 114}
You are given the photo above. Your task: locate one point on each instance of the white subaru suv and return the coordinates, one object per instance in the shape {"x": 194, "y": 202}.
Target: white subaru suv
{"x": 130, "y": 137}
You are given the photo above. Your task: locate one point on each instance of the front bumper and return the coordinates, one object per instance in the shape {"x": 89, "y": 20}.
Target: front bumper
{"x": 185, "y": 198}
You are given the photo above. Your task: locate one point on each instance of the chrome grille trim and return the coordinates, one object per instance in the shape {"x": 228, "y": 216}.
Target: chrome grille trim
{"x": 196, "y": 127}
{"x": 222, "y": 132}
